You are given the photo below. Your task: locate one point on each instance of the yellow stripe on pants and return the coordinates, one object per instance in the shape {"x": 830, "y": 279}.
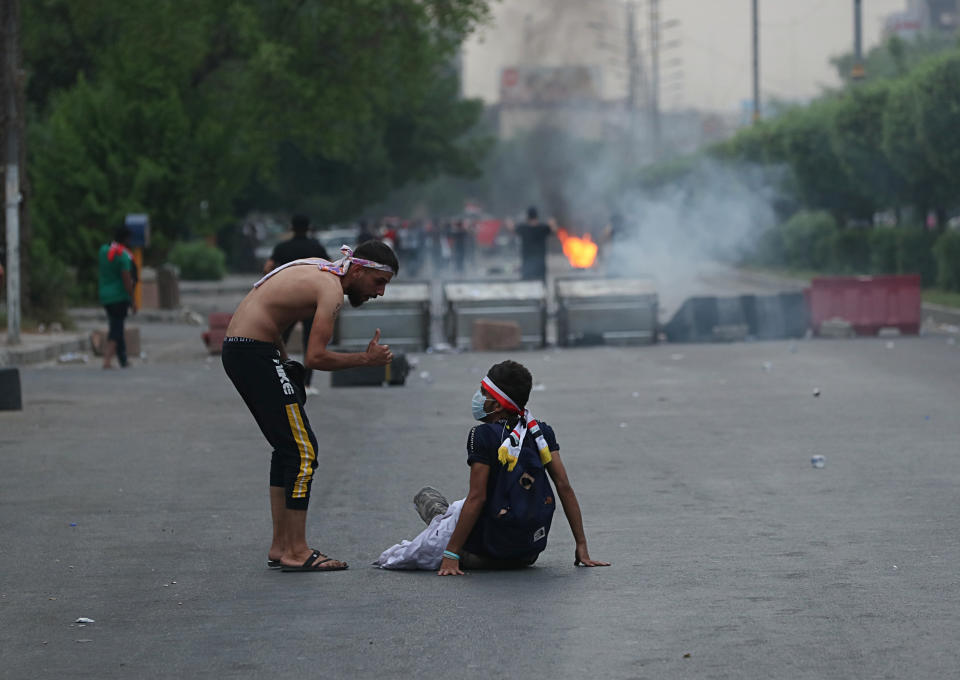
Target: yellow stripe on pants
{"x": 307, "y": 454}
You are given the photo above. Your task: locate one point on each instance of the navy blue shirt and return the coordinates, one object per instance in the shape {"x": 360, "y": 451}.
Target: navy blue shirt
{"x": 483, "y": 443}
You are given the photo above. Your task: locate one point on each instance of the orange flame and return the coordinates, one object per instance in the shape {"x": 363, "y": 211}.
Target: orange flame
{"x": 581, "y": 252}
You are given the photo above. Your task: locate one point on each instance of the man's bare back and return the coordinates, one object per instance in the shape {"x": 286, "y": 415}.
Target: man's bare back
{"x": 288, "y": 296}
{"x": 299, "y": 291}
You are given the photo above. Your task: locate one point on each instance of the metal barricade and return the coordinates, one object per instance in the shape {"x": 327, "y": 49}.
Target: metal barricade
{"x": 609, "y": 311}
{"x": 402, "y": 314}
{"x": 521, "y": 302}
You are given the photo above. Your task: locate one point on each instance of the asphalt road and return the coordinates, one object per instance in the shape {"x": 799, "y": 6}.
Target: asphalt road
{"x": 138, "y": 499}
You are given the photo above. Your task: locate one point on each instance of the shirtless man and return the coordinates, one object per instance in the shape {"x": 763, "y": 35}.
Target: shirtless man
{"x": 253, "y": 357}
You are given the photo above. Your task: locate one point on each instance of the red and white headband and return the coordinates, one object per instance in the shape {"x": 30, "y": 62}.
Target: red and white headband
{"x": 500, "y": 396}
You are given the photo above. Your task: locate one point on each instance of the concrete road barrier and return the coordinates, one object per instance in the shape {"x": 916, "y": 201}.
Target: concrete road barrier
{"x": 717, "y": 319}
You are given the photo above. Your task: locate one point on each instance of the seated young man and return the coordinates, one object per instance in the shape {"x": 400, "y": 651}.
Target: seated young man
{"x": 504, "y": 521}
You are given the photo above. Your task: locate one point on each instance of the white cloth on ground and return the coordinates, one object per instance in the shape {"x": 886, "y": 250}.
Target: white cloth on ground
{"x": 425, "y": 551}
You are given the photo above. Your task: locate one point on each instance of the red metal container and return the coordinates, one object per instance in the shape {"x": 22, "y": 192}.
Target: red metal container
{"x": 868, "y": 303}
{"x": 213, "y": 338}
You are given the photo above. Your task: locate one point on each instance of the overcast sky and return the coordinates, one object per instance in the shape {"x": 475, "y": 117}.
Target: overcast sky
{"x": 797, "y": 38}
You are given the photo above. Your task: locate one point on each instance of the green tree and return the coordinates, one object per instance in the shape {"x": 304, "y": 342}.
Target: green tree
{"x": 903, "y": 147}
{"x": 894, "y": 58}
{"x": 947, "y": 253}
{"x": 856, "y": 138}
{"x": 937, "y": 95}
{"x": 801, "y": 139}
{"x": 195, "y": 112}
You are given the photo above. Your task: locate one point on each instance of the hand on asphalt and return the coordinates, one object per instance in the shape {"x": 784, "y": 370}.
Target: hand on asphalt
{"x": 581, "y": 556}
{"x": 449, "y": 567}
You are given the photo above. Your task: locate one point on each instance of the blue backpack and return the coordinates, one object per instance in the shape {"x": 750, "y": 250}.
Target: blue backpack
{"x": 517, "y": 515}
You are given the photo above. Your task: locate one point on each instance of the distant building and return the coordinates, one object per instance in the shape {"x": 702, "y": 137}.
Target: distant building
{"x": 923, "y": 16}
{"x": 568, "y": 97}
{"x": 577, "y": 63}
{"x": 940, "y": 15}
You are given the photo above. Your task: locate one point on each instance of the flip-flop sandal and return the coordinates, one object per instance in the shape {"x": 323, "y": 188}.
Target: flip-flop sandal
{"x": 274, "y": 564}
{"x": 309, "y": 565}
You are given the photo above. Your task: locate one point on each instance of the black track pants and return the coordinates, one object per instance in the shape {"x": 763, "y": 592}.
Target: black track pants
{"x": 255, "y": 369}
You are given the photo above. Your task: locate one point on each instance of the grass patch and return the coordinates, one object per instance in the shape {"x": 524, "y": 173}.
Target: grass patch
{"x": 941, "y": 297}
{"x": 30, "y": 325}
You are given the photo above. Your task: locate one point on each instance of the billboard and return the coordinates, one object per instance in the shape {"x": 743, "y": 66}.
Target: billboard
{"x": 551, "y": 85}
{"x": 905, "y": 25}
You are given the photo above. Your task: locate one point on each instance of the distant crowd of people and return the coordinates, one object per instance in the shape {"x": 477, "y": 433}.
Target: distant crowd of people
{"x": 454, "y": 245}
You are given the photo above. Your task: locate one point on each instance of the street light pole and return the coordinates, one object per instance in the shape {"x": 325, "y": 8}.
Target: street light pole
{"x": 857, "y": 72}
{"x": 756, "y": 63}
{"x": 11, "y": 80}
{"x": 655, "y": 76}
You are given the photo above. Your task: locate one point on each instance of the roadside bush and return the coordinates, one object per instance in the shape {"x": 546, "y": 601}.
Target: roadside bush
{"x": 850, "y": 251}
{"x": 51, "y": 284}
{"x": 916, "y": 254}
{"x": 198, "y": 261}
{"x": 808, "y": 240}
{"x": 947, "y": 253}
{"x": 884, "y": 250}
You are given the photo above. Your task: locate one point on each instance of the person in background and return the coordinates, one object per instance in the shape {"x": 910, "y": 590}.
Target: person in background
{"x": 115, "y": 287}
{"x": 298, "y": 247}
{"x": 615, "y": 245}
{"x": 365, "y": 233}
{"x": 533, "y": 235}
{"x": 409, "y": 244}
{"x": 389, "y": 232}
{"x": 458, "y": 245}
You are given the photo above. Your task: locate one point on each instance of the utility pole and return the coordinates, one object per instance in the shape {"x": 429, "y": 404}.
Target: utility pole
{"x": 756, "y": 63}
{"x": 857, "y": 72}
{"x": 527, "y": 39}
{"x": 636, "y": 79}
{"x": 633, "y": 82}
{"x": 631, "y": 61}
{"x": 12, "y": 130}
{"x": 655, "y": 76}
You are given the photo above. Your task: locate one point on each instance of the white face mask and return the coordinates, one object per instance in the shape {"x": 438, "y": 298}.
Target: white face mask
{"x": 476, "y": 405}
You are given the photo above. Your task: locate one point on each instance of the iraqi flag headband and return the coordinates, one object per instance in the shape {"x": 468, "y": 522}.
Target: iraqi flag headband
{"x": 509, "y": 452}
{"x": 500, "y": 396}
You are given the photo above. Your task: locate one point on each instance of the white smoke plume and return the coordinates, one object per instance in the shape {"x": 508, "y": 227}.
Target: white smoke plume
{"x": 705, "y": 220}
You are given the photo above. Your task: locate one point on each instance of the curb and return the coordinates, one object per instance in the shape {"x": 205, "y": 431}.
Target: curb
{"x": 22, "y": 356}
{"x": 229, "y": 285}
{"x": 182, "y": 315}
{"x": 939, "y": 314}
